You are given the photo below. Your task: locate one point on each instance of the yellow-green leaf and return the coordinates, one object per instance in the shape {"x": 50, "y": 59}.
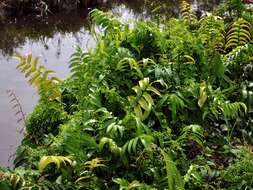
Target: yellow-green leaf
{"x": 202, "y": 94}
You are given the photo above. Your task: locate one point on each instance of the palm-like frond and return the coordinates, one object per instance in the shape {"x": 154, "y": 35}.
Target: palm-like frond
{"x": 60, "y": 161}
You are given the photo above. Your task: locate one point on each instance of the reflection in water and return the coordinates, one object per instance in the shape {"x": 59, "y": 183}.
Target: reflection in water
{"x": 53, "y": 39}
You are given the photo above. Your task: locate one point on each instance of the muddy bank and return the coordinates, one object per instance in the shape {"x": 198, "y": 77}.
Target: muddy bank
{"x": 18, "y": 8}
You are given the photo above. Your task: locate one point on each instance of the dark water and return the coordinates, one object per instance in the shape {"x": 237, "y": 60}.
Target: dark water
{"x": 53, "y": 39}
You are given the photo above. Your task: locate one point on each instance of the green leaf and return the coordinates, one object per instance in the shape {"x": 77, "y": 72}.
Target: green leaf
{"x": 58, "y": 160}
{"x": 175, "y": 180}
{"x": 146, "y": 106}
{"x": 151, "y": 88}
{"x": 202, "y": 94}
{"x": 138, "y": 112}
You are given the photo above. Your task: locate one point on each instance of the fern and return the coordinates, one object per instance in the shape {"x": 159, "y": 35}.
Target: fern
{"x": 227, "y": 109}
{"x": 192, "y": 132}
{"x": 76, "y": 60}
{"x": 143, "y": 100}
{"x": 76, "y": 143}
{"x": 230, "y": 58}
{"x": 125, "y": 185}
{"x": 211, "y": 31}
{"x": 94, "y": 163}
{"x": 220, "y": 107}
{"x": 115, "y": 129}
{"x": 131, "y": 145}
{"x": 39, "y": 76}
{"x": 175, "y": 103}
{"x": 194, "y": 174}
{"x": 239, "y": 34}
{"x": 187, "y": 13}
{"x": 122, "y": 66}
{"x": 113, "y": 147}
{"x": 60, "y": 161}
{"x": 175, "y": 180}
{"x": 46, "y": 185}
{"x": 105, "y": 20}
{"x": 13, "y": 179}
{"x": 231, "y": 110}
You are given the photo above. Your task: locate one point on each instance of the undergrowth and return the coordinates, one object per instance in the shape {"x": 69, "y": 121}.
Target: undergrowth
{"x": 163, "y": 105}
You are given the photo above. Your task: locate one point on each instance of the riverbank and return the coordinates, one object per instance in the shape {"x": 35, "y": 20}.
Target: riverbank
{"x": 53, "y": 37}
{"x": 154, "y": 105}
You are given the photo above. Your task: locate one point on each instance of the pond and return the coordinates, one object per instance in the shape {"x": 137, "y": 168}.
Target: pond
{"x": 53, "y": 39}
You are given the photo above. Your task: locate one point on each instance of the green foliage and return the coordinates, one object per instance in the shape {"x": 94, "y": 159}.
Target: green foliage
{"x": 193, "y": 133}
{"x": 17, "y": 179}
{"x": 143, "y": 102}
{"x": 239, "y": 175}
{"x": 150, "y": 107}
{"x": 187, "y": 13}
{"x": 105, "y": 20}
{"x": 42, "y": 122}
{"x": 174, "y": 178}
{"x": 39, "y": 76}
{"x": 11, "y": 181}
{"x": 125, "y": 185}
{"x": 211, "y": 31}
{"x": 239, "y": 34}
{"x": 231, "y": 8}
{"x": 60, "y": 161}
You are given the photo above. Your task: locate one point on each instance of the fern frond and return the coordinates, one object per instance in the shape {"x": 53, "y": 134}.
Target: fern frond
{"x": 39, "y": 76}
{"x": 115, "y": 129}
{"x": 15, "y": 180}
{"x": 194, "y": 133}
{"x": 232, "y": 110}
{"x": 175, "y": 180}
{"x": 124, "y": 184}
{"x": 194, "y": 173}
{"x": 211, "y": 31}
{"x": 76, "y": 60}
{"x": 113, "y": 147}
{"x": 60, "y": 161}
{"x": 134, "y": 65}
{"x": 75, "y": 143}
{"x": 238, "y": 34}
{"x": 143, "y": 101}
{"x": 187, "y": 13}
{"x": 131, "y": 145}
{"x": 94, "y": 163}
{"x": 104, "y": 20}
{"x": 230, "y": 58}
{"x": 175, "y": 103}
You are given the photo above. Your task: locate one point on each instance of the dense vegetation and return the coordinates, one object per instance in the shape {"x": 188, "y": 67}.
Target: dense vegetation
{"x": 157, "y": 105}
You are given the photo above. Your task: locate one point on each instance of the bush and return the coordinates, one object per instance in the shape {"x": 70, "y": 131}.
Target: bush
{"x": 45, "y": 119}
{"x": 150, "y": 107}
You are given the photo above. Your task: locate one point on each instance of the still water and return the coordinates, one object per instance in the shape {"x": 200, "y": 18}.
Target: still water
{"x": 53, "y": 39}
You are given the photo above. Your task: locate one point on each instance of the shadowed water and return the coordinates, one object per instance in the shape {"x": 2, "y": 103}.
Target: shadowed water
{"x": 53, "y": 39}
